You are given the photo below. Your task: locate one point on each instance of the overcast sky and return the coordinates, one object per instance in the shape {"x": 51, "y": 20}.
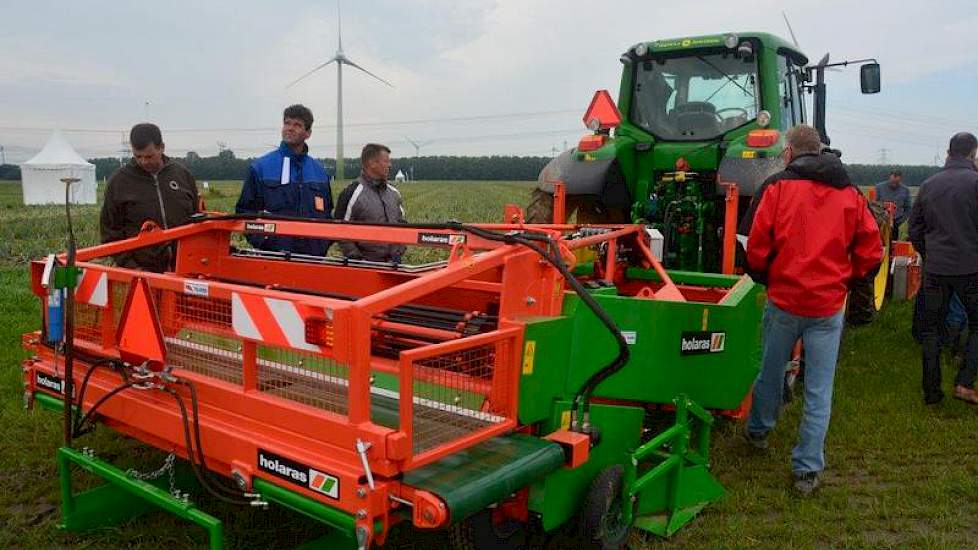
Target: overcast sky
{"x": 470, "y": 77}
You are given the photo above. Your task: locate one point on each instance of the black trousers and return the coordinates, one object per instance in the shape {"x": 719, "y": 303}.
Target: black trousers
{"x": 937, "y": 291}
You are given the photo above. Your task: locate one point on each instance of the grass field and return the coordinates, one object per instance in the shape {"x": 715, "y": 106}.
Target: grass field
{"x": 899, "y": 475}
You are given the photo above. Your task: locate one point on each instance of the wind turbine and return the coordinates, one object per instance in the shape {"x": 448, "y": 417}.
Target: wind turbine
{"x": 417, "y": 151}
{"x": 340, "y": 59}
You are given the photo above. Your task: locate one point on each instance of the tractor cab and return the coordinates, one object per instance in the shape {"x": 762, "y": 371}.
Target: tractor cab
{"x": 682, "y": 97}
{"x": 699, "y": 122}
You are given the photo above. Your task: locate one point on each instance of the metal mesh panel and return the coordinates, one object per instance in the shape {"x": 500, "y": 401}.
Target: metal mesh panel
{"x": 88, "y": 320}
{"x": 453, "y": 395}
{"x": 198, "y": 335}
{"x": 304, "y": 378}
{"x": 118, "y": 291}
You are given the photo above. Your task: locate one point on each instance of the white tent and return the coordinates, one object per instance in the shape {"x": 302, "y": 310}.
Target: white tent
{"x": 41, "y": 176}
{"x": 400, "y": 176}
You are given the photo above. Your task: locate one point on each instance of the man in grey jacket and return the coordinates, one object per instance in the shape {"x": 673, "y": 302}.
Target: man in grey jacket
{"x": 944, "y": 229}
{"x": 370, "y": 198}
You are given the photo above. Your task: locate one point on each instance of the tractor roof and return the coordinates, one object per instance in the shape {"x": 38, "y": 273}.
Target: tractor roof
{"x": 713, "y": 40}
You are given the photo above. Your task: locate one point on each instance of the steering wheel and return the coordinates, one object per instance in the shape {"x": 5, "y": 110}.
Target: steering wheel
{"x": 743, "y": 112}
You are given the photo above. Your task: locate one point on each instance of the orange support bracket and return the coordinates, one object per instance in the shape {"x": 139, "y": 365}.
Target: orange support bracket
{"x": 576, "y": 446}
{"x": 730, "y": 228}
{"x": 560, "y": 203}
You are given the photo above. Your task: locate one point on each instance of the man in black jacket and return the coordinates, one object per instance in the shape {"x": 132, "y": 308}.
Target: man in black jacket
{"x": 370, "y": 198}
{"x": 944, "y": 229}
{"x": 150, "y": 188}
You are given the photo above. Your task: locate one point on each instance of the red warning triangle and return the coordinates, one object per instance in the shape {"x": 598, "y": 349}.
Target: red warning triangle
{"x": 602, "y": 109}
{"x": 139, "y": 336}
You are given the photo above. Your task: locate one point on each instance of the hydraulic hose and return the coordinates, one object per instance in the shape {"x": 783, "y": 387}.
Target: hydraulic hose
{"x": 84, "y": 386}
{"x": 581, "y": 402}
{"x": 195, "y": 408}
{"x": 204, "y": 482}
{"x": 88, "y": 415}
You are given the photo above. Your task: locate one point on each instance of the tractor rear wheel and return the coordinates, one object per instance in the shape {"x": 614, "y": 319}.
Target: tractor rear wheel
{"x": 541, "y": 207}
{"x": 482, "y": 532}
{"x": 588, "y": 208}
{"x": 603, "y": 524}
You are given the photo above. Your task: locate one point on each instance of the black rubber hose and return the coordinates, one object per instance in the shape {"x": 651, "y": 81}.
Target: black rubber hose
{"x": 583, "y": 394}
{"x": 103, "y": 399}
{"x": 84, "y": 385}
{"x": 193, "y": 465}
{"x": 233, "y": 492}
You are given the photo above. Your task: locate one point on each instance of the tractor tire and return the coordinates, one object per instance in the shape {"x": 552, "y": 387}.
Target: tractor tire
{"x": 866, "y": 295}
{"x": 602, "y": 513}
{"x": 480, "y": 532}
{"x": 541, "y": 207}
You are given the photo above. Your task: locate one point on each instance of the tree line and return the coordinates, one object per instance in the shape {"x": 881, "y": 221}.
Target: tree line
{"x": 227, "y": 166}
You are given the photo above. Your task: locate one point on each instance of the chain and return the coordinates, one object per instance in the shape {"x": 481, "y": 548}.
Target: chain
{"x": 166, "y": 468}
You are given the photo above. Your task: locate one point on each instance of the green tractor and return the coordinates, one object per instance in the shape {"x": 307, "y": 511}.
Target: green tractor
{"x": 693, "y": 115}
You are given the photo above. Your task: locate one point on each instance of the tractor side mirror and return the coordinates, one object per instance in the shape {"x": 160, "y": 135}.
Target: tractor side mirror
{"x": 869, "y": 78}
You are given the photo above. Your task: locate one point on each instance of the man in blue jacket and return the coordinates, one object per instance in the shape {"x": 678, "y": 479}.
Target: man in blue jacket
{"x": 288, "y": 182}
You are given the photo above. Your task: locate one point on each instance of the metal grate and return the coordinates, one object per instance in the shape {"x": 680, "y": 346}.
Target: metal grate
{"x": 453, "y": 394}
{"x": 304, "y": 378}
{"x": 117, "y": 292}
{"x": 88, "y": 321}
{"x": 206, "y": 354}
{"x": 198, "y": 335}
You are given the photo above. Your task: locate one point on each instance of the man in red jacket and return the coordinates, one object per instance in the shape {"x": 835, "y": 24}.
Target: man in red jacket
{"x": 812, "y": 233}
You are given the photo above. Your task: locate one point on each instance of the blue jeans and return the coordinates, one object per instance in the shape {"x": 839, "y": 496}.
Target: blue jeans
{"x": 820, "y": 336}
{"x": 957, "y": 316}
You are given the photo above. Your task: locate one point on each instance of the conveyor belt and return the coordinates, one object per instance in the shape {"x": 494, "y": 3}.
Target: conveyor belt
{"x": 487, "y": 473}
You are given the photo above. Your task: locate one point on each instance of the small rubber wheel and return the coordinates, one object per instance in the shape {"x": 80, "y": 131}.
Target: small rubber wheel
{"x": 481, "y": 532}
{"x": 603, "y": 524}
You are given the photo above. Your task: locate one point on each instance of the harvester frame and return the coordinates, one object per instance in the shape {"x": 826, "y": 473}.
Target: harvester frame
{"x": 328, "y": 395}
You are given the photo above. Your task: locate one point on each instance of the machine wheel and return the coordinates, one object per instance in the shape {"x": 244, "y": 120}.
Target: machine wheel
{"x": 880, "y": 281}
{"x": 481, "y": 532}
{"x": 602, "y": 519}
{"x": 866, "y": 295}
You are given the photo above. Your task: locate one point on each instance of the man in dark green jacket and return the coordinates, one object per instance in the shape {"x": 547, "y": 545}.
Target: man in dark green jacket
{"x": 150, "y": 188}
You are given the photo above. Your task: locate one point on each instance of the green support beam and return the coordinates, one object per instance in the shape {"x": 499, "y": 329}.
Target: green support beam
{"x": 677, "y": 484}
{"x": 121, "y": 499}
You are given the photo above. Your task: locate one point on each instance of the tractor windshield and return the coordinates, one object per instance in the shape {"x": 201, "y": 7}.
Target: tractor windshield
{"x": 696, "y": 97}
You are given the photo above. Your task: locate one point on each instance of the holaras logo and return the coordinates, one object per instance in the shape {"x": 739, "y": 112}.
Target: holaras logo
{"x": 257, "y": 227}
{"x": 440, "y": 238}
{"x": 692, "y": 343}
{"x": 299, "y": 474}
{"x": 324, "y": 483}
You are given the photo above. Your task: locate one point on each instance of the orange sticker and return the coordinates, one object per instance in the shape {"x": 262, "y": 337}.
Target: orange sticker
{"x": 320, "y": 204}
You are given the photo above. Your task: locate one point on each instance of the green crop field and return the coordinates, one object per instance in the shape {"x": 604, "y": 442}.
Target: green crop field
{"x": 899, "y": 475}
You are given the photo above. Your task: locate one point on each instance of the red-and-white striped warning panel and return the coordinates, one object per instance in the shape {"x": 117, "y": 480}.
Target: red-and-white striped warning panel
{"x": 273, "y": 321}
{"x": 93, "y": 288}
